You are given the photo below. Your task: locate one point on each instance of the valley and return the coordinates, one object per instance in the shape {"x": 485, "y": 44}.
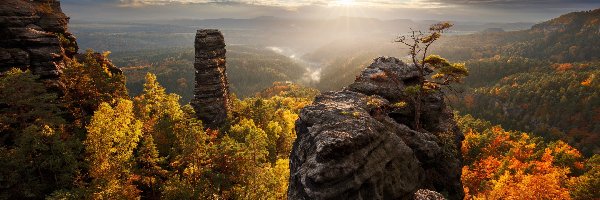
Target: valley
{"x": 266, "y": 50}
{"x": 343, "y": 99}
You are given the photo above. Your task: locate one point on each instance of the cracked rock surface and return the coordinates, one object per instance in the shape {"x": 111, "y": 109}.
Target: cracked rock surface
{"x": 211, "y": 95}
{"x": 358, "y": 143}
{"x": 34, "y": 36}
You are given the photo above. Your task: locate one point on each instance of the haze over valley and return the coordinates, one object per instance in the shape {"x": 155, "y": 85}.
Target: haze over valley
{"x": 300, "y": 99}
{"x": 328, "y": 53}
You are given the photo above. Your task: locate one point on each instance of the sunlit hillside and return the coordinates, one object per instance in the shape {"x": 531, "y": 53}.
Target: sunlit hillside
{"x": 299, "y": 99}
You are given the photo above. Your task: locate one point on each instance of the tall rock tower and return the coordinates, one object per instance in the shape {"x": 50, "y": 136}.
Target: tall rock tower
{"x": 211, "y": 100}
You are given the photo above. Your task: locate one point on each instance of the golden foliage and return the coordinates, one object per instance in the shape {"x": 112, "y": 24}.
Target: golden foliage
{"x": 510, "y": 165}
{"x": 563, "y": 67}
{"x": 588, "y": 81}
{"x": 113, "y": 135}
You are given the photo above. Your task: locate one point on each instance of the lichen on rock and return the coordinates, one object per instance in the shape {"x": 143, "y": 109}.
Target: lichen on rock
{"x": 357, "y": 143}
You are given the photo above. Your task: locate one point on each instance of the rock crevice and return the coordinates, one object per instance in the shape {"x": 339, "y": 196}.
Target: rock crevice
{"x": 357, "y": 143}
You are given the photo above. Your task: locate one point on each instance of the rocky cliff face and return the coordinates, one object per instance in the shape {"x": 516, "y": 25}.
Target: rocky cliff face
{"x": 358, "y": 143}
{"x": 34, "y": 36}
{"x": 211, "y": 95}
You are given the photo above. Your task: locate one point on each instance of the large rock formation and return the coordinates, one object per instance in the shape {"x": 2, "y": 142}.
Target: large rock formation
{"x": 211, "y": 95}
{"x": 358, "y": 143}
{"x": 34, "y": 36}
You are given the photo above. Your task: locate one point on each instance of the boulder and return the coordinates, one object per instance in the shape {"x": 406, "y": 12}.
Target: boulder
{"x": 358, "y": 143}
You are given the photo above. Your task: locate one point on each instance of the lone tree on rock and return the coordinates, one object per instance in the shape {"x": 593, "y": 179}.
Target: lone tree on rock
{"x": 434, "y": 71}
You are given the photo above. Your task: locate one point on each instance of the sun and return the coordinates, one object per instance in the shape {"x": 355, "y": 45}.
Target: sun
{"x": 345, "y": 2}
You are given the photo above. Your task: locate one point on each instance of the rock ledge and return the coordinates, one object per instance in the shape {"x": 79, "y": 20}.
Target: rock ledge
{"x": 357, "y": 143}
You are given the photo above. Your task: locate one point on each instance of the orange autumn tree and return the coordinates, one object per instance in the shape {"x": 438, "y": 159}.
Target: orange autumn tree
{"x": 502, "y": 164}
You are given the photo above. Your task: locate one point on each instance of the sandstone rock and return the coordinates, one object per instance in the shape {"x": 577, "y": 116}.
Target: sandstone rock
{"x": 428, "y": 195}
{"x": 34, "y": 36}
{"x": 358, "y": 144}
{"x": 211, "y": 94}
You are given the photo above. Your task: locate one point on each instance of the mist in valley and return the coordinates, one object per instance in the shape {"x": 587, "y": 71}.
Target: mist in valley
{"x": 299, "y": 99}
{"x": 322, "y": 48}
{"x": 328, "y": 53}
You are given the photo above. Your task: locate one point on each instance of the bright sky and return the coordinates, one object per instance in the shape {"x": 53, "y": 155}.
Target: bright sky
{"x": 463, "y": 10}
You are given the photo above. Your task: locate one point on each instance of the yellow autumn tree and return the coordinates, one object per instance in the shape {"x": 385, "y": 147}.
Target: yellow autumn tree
{"x": 87, "y": 83}
{"x": 113, "y": 134}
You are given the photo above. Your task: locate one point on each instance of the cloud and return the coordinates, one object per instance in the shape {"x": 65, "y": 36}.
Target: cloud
{"x": 516, "y": 3}
{"x": 88, "y": 2}
{"x": 276, "y": 3}
{"x": 465, "y": 10}
{"x": 295, "y": 4}
{"x": 270, "y": 3}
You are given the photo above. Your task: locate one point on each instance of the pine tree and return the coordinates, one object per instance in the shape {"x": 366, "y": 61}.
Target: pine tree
{"x": 23, "y": 102}
{"x": 446, "y": 73}
{"x": 159, "y": 112}
{"x": 36, "y": 156}
{"x": 149, "y": 168}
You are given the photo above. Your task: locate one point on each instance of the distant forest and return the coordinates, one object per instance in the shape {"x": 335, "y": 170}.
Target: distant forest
{"x": 543, "y": 80}
{"x": 529, "y": 111}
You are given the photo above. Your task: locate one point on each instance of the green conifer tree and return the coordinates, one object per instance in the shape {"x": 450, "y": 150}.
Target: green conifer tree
{"x": 36, "y": 156}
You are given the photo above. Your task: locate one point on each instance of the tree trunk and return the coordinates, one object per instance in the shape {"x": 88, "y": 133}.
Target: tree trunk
{"x": 417, "y": 124}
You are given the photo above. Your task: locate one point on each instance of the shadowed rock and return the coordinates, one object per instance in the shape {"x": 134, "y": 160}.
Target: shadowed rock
{"x": 358, "y": 143}
{"x": 211, "y": 100}
{"x": 34, "y": 36}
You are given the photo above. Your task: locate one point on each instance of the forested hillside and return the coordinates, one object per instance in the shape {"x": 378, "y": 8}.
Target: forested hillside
{"x": 553, "y": 62}
{"x": 99, "y": 126}
{"x": 250, "y": 69}
{"x": 573, "y": 37}
{"x": 555, "y": 101}
{"x": 96, "y": 142}
{"x": 542, "y": 80}
{"x": 152, "y": 147}
{"x": 502, "y": 164}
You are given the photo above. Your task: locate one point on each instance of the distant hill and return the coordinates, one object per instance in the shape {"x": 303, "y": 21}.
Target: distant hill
{"x": 542, "y": 80}
{"x": 304, "y": 35}
{"x": 569, "y": 38}
{"x": 250, "y": 69}
{"x": 556, "y": 101}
